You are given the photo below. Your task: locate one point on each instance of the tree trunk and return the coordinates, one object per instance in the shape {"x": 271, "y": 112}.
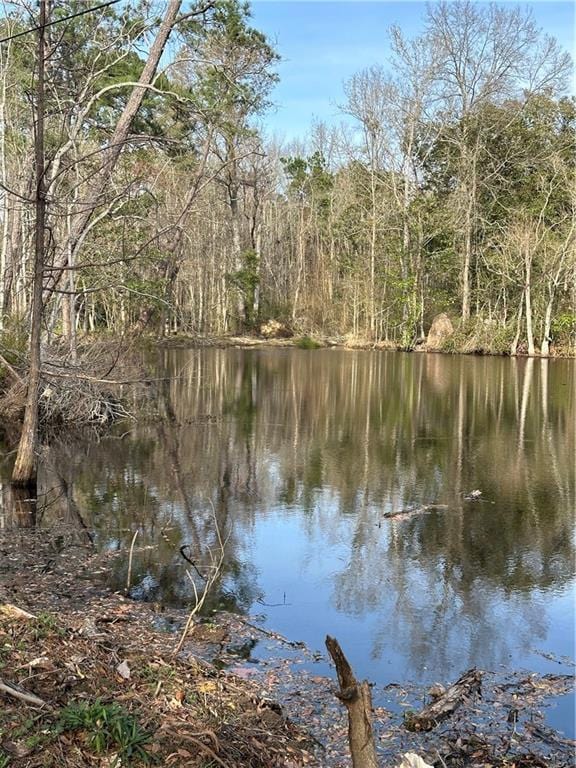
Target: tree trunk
{"x": 516, "y": 339}
{"x": 301, "y": 253}
{"x": 467, "y": 262}
{"x": 5, "y": 199}
{"x": 528, "y": 301}
{"x": 545, "y": 346}
{"x": 258, "y": 251}
{"x": 373, "y": 234}
{"x": 25, "y": 469}
{"x": 357, "y": 699}
{"x": 237, "y": 254}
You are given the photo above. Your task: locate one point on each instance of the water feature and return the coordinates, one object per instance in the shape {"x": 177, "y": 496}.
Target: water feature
{"x": 298, "y": 456}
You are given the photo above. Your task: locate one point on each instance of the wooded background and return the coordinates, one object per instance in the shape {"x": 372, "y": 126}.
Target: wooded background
{"x": 448, "y": 186}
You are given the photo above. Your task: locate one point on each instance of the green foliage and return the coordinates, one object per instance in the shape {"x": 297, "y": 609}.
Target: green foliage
{"x": 480, "y": 336}
{"x": 236, "y": 75}
{"x": 143, "y": 291}
{"x": 564, "y": 327}
{"x": 13, "y": 342}
{"x": 107, "y": 726}
{"x": 156, "y": 673}
{"x": 309, "y": 178}
{"x": 246, "y": 280}
{"x": 306, "y": 342}
{"x": 4, "y": 760}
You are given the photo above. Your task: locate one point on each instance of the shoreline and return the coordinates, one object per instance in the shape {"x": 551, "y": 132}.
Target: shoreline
{"x": 311, "y": 343}
{"x": 85, "y": 643}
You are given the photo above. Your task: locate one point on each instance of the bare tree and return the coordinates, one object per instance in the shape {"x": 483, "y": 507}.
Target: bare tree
{"x": 24, "y": 472}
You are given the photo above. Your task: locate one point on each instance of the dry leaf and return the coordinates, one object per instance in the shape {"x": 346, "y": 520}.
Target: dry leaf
{"x": 412, "y": 760}
{"x": 207, "y": 686}
{"x": 123, "y": 670}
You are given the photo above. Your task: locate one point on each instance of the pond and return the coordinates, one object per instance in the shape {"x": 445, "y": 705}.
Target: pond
{"x": 296, "y": 460}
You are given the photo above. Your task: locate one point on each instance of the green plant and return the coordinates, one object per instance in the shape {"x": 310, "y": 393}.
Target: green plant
{"x": 13, "y": 340}
{"x": 45, "y": 624}
{"x": 305, "y": 342}
{"x": 4, "y": 760}
{"x": 481, "y": 336}
{"x": 154, "y": 674}
{"x": 564, "y": 327}
{"x": 107, "y": 726}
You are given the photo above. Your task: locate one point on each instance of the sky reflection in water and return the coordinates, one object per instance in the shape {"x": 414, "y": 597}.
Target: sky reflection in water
{"x": 299, "y": 455}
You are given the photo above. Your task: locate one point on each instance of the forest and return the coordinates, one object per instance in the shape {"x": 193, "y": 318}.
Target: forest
{"x": 166, "y": 580}
{"x": 448, "y": 186}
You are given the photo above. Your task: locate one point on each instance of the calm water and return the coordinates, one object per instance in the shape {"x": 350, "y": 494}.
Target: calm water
{"x": 298, "y": 455}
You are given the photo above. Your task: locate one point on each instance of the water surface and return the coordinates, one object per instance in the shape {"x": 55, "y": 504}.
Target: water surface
{"x": 297, "y": 457}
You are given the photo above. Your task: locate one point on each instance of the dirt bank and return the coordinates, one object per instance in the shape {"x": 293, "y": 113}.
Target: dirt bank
{"x": 88, "y": 677}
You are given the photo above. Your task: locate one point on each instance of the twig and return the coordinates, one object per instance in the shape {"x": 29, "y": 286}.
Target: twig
{"x": 11, "y": 369}
{"x": 95, "y": 380}
{"x": 204, "y": 748}
{"x": 441, "y": 759}
{"x": 273, "y": 635}
{"x": 29, "y": 698}
{"x": 129, "y": 576}
{"x": 208, "y": 583}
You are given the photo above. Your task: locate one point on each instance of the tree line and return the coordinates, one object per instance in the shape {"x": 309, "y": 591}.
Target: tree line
{"x": 449, "y": 187}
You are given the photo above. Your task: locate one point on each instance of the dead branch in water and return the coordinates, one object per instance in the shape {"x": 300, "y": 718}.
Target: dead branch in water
{"x": 447, "y": 703}
{"x": 411, "y": 511}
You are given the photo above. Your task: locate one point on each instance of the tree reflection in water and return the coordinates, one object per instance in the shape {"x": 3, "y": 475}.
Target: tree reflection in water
{"x": 297, "y": 455}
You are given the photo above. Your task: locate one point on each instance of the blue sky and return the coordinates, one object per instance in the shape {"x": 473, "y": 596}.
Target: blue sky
{"x": 323, "y": 43}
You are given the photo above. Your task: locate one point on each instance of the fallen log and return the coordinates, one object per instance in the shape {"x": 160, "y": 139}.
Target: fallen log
{"x": 357, "y": 698}
{"x": 447, "y": 703}
{"x": 410, "y": 511}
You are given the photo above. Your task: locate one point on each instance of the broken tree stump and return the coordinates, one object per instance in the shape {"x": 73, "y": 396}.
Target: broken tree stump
{"x": 357, "y": 698}
{"x": 447, "y": 703}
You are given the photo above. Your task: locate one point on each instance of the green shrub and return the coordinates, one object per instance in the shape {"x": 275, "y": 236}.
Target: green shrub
{"x": 13, "y": 342}
{"x": 564, "y": 328}
{"x": 305, "y": 342}
{"x": 480, "y": 336}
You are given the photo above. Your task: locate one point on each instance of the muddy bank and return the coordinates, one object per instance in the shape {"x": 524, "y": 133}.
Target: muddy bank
{"x": 237, "y": 694}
